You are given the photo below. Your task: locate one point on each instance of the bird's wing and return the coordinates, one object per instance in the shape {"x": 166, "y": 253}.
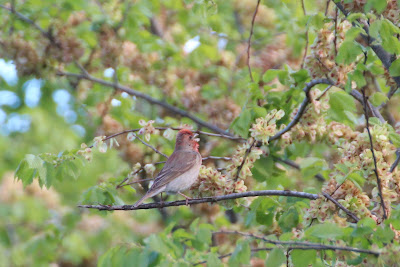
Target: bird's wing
{"x": 177, "y": 164}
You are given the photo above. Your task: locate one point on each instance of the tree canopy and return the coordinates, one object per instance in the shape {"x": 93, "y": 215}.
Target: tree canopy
{"x": 295, "y": 103}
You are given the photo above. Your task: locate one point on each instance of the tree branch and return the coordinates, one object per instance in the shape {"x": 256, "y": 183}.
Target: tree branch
{"x": 249, "y": 41}
{"x": 299, "y": 244}
{"x": 348, "y": 212}
{"x": 148, "y": 98}
{"x": 396, "y": 162}
{"x": 378, "y": 180}
{"x": 292, "y": 245}
{"x": 234, "y": 138}
{"x": 215, "y": 199}
{"x": 248, "y": 150}
{"x": 306, "y": 35}
{"x": 302, "y": 108}
{"x": 24, "y": 18}
{"x": 293, "y": 164}
{"x": 385, "y": 57}
{"x": 152, "y": 147}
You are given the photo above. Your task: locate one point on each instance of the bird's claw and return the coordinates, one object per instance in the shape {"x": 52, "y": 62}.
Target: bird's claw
{"x": 186, "y": 197}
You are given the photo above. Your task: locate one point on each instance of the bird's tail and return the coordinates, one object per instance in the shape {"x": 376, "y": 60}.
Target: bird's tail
{"x": 146, "y": 196}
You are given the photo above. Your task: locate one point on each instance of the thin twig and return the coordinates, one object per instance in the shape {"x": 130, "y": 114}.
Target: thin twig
{"x": 215, "y": 199}
{"x": 327, "y": 7}
{"x": 128, "y": 90}
{"x": 385, "y": 57}
{"x": 348, "y": 212}
{"x": 300, "y": 244}
{"x": 134, "y": 182}
{"x": 148, "y": 98}
{"x": 396, "y": 162}
{"x": 335, "y": 32}
{"x": 29, "y": 21}
{"x": 253, "y": 250}
{"x": 248, "y": 150}
{"x": 152, "y": 147}
{"x": 378, "y": 180}
{"x": 359, "y": 97}
{"x": 217, "y": 158}
{"x": 309, "y": 247}
{"x": 249, "y": 40}
{"x": 306, "y": 35}
{"x": 324, "y": 92}
{"x": 293, "y": 164}
{"x": 302, "y": 108}
{"x": 234, "y": 138}
{"x": 124, "y": 16}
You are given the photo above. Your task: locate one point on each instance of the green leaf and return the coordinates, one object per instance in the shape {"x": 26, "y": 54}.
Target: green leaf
{"x": 258, "y": 112}
{"x": 311, "y": 166}
{"x": 213, "y": 260}
{"x": 300, "y": 77}
{"x": 395, "y": 138}
{"x": 24, "y": 173}
{"x": 348, "y": 52}
{"x": 341, "y": 106}
{"x": 34, "y": 162}
{"x": 325, "y": 231}
{"x": 384, "y": 234}
{"x": 378, "y": 98}
{"x": 241, "y": 124}
{"x": 289, "y": 219}
{"x": 241, "y": 255}
{"x": 353, "y": 33}
{"x": 270, "y": 74}
{"x": 395, "y": 68}
{"x": 255, "y": 91}
{"x": 303, "y": 258}
{"x": 275, "y": 258}
{"x": 391, "y": 44}
{"x": 374, "y": 28}
{"x": 317, "y": 20}
{"x": 377, "y": 5}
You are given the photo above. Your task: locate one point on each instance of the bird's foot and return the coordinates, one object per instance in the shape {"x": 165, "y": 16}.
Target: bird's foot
{"x": 161, "y": 199}
{"x": 185, "y": 196}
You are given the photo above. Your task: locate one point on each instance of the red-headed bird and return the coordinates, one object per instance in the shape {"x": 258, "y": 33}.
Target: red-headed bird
{"x": 181, "y": 169}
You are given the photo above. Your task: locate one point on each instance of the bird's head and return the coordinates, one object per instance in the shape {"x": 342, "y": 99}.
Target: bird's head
{"x": 186, "y": 139}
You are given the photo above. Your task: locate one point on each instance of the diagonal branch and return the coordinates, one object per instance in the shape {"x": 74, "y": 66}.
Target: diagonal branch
{"x": 215, "y": 199}
{"x": 293, "y": 164}
{"x": 234, "y": 138}
{"x": 128, "y": 90}
{"x": 24, "y": 18}
{"x": 148, "y": 98}
{"x": 249, "y": 40}
{"x": 306, "y": 35}
{"x": 302, "y": 108}
{"x": 396, "y": 162}
{"x": 152, "y": 147}
{"x": 385, "y": 57}
{"x": 292, "y": 245}
{"x": 378, "y": 180}
{"x": 301, "y": 244}
{"x": 248, "y": 150}
{"x": 348, "y": 212}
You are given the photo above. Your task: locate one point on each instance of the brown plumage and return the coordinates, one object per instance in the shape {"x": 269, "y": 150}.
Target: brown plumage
{"x": 181, "y": 169}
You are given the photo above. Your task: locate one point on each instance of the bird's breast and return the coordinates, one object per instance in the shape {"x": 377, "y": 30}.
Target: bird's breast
{"x": 184, "y": 181}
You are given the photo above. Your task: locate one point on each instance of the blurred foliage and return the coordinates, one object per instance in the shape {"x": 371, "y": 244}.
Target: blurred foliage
{"x": 192, "y": 54}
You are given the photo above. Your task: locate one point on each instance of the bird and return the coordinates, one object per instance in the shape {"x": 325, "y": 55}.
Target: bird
{"x": 181, "y": 169}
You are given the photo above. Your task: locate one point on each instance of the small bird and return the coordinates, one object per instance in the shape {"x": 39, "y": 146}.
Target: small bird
{"x": 181, "y": 169}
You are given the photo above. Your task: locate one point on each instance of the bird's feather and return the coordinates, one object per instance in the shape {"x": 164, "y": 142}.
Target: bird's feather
{"x": 177, "y": 164}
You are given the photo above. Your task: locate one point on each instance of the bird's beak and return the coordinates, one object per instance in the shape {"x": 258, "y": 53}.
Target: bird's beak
{"x": 195, "y": 137}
